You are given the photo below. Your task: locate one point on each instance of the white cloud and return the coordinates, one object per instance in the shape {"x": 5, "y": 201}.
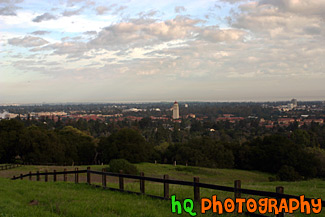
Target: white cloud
{"x": 265, "y": 43}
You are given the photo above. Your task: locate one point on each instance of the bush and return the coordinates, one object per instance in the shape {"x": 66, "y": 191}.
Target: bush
{"x": 116, "y": 165}
{"x": 288, "y": 173}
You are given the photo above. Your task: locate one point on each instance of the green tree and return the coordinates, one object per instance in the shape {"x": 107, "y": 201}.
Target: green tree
{"x": 80, "y": 147}
{"x": 126, "y": 144}
{"x": 10, "y": 132}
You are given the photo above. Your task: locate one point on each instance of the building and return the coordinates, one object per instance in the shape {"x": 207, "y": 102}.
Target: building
{"x": 294, "y": 102}
{"x": 291, "y": 106}
{"x": 175, "y": 110}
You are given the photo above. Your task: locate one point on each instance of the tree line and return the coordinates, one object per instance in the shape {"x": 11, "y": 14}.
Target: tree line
{"x": 291, "y": 155}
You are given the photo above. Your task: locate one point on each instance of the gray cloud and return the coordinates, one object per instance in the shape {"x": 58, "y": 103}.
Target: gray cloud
{"x": 214, "y": 34}
{"x": 233, "y": 1}
{"x": 143, "y": 32}
{"x": 69, "y": 13}
{"x": 8, "y": 10}
{"x": 71, "y": 3}
{"x": 303, "y": 7}
{"x": 90, "y": 33}
{"x": 40, "y": 32}
{"x": 120, "y": 9}
{"x": 100, "y": 10}
{"x": 44, "y": 17}
{"x": 72, "y": 49}
{"x": 146, "y": 32}
{"x": 179, "y": 9}
{"x": 27, "y": 41}
{"x": 276, "y": 22}
{"x": 148, "y": 14}
{"x": 313, "y": 30}
{"x": 11, "y": 2}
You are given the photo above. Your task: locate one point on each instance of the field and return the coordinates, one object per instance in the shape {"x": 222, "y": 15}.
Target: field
{"x": 69, "y": 199}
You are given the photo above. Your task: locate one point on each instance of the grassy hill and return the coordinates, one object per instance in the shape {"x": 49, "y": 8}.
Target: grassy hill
{"x": 68, "y": 199}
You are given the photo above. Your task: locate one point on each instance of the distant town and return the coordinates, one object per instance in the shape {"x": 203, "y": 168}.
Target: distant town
{"x": 274, "y": 114}
{"x": 241, "y": 135}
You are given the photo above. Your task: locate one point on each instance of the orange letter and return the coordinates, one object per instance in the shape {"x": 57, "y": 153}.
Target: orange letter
{"x": 291, "y": 207}
{"x": 283, "y": 205}
{"x": 251, "y": 205}
{"x": 273, "y": 205}
{"x": 304, "y": 204}
{"x": 216, "y": 203}
{"x": 204, "y": 208}
{"x": 229, "y": 205}
{"x": 240, "y": 202}
{"x": 318, "y": 205}
{"x": 262, "y": 205}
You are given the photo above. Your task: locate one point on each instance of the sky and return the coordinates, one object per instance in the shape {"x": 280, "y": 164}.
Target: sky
{"x": 141, "y": 51}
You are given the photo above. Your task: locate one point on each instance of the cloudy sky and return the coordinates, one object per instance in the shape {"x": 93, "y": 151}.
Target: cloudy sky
{"x": 141, "y": 50}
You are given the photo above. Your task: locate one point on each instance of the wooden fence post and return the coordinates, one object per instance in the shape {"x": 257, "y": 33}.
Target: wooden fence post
{"x": 88, "y": 176}
{"x": 121, "y": 181}
{"x": 54, "y": 175}
{"x": 104, "y": 178}
{"x": 46, "y": 176}
{"x": 237, "y": 189}
{"x": 166, "y": 187}
{"x": 65, "y": 176}
{"x": 30, "y": 175}
{"x": 6, "y": 167}
{"x": 76, "y": 176}
{"x": 21, "y": 176}
{"x": 196, "y": 189}
{"x": 37, "y": 176}
{"x": 279, "y": 191}
{"x": 142, "y": 188}
{"x": 14, "y": 177}
{"x": 237, "y": 186}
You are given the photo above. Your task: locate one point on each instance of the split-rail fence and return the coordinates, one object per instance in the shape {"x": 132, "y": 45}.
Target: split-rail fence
{"x": 237, "y": 190}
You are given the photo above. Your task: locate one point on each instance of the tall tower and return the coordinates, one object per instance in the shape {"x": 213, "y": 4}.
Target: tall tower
{"x": 294, "y": 102}
{"x": 175, "y": 110}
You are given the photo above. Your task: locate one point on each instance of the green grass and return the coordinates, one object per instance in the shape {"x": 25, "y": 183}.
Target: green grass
{"x": 68, "y": 199}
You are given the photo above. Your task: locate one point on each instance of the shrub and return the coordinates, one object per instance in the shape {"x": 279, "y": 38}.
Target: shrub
{"x": 116, "y": 165}
{"x": 288, "y": 173}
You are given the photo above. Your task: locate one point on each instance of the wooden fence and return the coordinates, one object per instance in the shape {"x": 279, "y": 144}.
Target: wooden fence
{"x": 237, "y": 190}
{"x": 9, "y": 166}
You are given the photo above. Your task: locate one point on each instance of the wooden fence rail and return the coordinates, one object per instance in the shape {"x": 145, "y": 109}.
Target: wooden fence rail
{"x": 9, "y": 166}
{"x": 237, "y": 190}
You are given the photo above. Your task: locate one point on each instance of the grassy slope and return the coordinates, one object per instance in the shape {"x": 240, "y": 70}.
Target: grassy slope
{"x": 66, "y": 199}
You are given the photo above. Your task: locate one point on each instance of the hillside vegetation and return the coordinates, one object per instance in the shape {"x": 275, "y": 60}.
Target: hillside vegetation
{"x": 68, "y": 199}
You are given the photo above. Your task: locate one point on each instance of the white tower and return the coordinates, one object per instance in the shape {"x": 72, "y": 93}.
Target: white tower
{"x": 175, "y": 110}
